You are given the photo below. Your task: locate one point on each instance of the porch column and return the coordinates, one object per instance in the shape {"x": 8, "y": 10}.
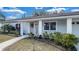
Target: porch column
{"x": 21, "y": 28}
{"x": 40, "y": 27}
{"x": 28, "y": 27}
{"x": 69, "y": 25}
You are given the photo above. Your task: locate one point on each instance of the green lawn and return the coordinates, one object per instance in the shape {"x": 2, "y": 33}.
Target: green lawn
{"x": 5, "y": 37}
{"x": 31, "y": 45}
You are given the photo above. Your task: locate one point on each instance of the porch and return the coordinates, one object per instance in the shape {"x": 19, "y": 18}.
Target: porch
{"x": 64, "y": 25}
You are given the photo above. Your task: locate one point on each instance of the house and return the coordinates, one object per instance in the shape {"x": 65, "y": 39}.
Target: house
{"x": 62, "y": 22}
{"x": 2, "y": 18}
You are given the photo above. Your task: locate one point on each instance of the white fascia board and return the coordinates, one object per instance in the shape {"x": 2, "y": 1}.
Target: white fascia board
{"x": 60, "y": 17}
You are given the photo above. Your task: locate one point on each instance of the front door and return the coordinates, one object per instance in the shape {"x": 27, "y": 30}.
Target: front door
{"x": 32, "y": 27}
{"x": 18, "y": 28}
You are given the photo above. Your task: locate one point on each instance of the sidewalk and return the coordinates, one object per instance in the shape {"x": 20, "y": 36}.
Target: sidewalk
{"x": 10, "y": 42}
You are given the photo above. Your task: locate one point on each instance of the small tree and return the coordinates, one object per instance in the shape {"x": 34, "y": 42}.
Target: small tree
{"x": 8, "y": 28}
{"x": 39, "y": 13}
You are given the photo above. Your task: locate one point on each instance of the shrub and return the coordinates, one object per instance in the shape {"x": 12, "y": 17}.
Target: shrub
{"x": 69, "y": 40}
{"x": 66, "y": 40}
{"x": 57, "y": 37}
{"x": 45, "y": 35}
{"x": 51, "y": 36}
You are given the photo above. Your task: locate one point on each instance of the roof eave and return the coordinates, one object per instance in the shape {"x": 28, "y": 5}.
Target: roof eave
{"x": 48, "y": 18}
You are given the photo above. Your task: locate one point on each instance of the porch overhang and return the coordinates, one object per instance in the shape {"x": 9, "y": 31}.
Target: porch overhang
{"x": 47, "y": 18}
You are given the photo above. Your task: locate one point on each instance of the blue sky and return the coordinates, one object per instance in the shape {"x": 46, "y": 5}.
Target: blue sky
{"x": 17, "y": 12}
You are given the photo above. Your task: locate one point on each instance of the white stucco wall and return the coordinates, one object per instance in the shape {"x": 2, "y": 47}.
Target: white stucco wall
{"x": 61, "y": 26}
{"x": 75, "y": 27}
{"x": 26, "y": 27}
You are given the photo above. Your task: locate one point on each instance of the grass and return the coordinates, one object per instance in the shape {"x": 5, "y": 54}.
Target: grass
{"x": 5, "y": 37}
{"x": 31, "y": 45}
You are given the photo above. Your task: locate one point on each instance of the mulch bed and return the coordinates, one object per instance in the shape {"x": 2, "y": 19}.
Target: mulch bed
{"x": 50, "y": 43}
{"x": 55, "y": 45}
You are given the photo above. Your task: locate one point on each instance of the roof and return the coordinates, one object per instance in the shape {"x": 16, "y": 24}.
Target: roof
{"x": 51, "y": 15}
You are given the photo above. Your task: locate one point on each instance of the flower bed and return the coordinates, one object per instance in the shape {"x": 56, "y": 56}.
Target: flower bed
{"x": 64, "y": 40}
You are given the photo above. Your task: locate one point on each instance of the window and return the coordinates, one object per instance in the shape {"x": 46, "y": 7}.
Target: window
{"x": 50, "y": 26}
{"x": 77, "y": 22}
{"x": 46, "y": 26}
{"x": 73, "y": 22}
{"x": 53, "y": 26}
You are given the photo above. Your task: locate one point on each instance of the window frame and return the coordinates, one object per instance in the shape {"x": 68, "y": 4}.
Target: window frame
{"x": 77, "y": 22}
{"x": 49, "y": 25}
{"x": 73, "y": 23}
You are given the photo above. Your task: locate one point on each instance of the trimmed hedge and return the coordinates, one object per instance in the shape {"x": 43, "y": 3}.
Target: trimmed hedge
{"x": 66, "y": 40}
{"x": 69, "y": 40}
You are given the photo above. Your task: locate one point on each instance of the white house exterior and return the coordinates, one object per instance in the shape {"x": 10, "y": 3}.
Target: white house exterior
{"x": 65, "y": 23}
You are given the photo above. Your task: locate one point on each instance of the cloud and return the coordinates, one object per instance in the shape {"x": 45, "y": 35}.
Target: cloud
{"x": 74, "y": 10}
{"x": 13, "y": 10}
{"x": 38, "y": 7}
{"x": 10, "y": 17}
{"x": 1, "y": 8}
{"x": 16, "y": 12}
{"x": 56, "y": 9}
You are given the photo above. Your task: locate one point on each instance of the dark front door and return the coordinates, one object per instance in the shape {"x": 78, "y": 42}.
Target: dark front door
{"x": 32, "y": 27}
{"x": 18, "y": 28}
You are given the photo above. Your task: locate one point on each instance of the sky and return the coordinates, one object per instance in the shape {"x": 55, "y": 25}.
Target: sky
{"x": 17, "y": 12}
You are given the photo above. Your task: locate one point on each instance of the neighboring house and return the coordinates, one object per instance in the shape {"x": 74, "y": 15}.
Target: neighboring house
{"x": 63, "y": 22}
{"x": 2, "y": 19}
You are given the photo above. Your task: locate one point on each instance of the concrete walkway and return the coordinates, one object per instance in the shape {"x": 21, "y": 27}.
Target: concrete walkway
{"x": 10, "y": 42}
